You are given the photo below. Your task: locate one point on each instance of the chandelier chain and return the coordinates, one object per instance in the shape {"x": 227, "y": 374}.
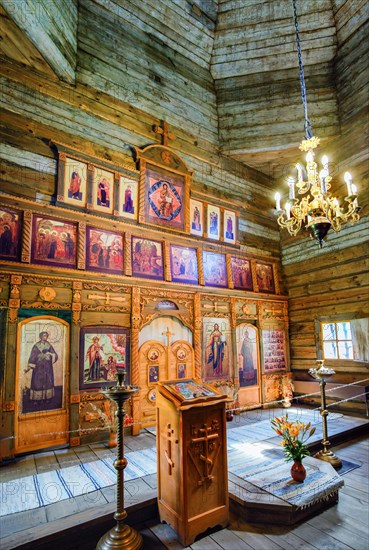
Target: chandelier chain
{"x": 307, "y": 125}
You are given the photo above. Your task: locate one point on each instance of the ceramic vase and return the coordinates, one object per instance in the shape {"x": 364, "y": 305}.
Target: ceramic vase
{"x": 229, "y": 415}
{"x": 112, "y": 441}
{"x": 298, "y": 471}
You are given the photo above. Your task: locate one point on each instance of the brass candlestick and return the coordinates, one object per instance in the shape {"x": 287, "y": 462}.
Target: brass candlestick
{"x": 121, "y": 536}
{"x": 320, "y": 374}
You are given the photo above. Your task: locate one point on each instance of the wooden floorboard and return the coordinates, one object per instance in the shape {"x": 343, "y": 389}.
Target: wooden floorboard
{"x": 343, "y": 526}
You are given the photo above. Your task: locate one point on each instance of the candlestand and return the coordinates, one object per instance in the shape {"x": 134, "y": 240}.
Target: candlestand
{"x": 121, "y": 536}
{"x": 320, "y": 374}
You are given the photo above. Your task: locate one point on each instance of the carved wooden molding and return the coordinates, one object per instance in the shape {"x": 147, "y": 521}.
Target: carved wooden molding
{"x": 75, "y": 441}
{"x": 127, "y": 254}
{"x": 8, "y": 406}
{"x": 167, "y": 270}
{"x": 81, "y": 247}
{"x": 26, "y": 236}
{"x": 14, "y": 299}
{"x": 200, "y": 266}
{"x": 84, "y": 396}
{"x": 229, "y": 271}
{"x": 254, "y": 277}
{"x": 45, "y": 305}
{"x": 276, "y": 279}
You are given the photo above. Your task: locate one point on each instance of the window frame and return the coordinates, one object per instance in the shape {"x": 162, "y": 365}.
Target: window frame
{"x": 339, "y": 365}
{"x": 336, "y": 340}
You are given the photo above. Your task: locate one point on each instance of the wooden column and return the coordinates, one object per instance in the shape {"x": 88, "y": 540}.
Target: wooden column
{"x": 135, "y": 366}
{"x": 197, "y": 335}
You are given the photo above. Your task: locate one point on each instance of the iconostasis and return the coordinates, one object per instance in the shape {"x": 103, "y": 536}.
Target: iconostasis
{"x": 128, "y": 269}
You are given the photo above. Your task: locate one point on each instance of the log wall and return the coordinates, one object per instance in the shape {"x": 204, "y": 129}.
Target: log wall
{"x": 256, "y": 74}
{"x": 333, "y": 283}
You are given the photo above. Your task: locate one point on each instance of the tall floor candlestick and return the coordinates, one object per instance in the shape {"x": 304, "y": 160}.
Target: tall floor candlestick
{"x": 320, "y": 374}
{"x": 121, "y": 536}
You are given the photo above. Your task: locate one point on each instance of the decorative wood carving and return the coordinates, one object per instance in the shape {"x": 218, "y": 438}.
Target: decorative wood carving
{"x": 81, "y": 250}
{"x": 8, "y": 406}
{"x": 45, "y": 305}
{"x": 168, "y": 451}
{"x": 273, "y": 311}
{"x": 233, "y": 313}
{"x": 254, "y": 277}
{"x": 85, "y": 396}
{"x": 276, "y": 279}
{"x": 200, "y": 267}
{"x": 43, "y": 281}
{"x": 107, "y": 288}
{"x": 229, "y": 271}
{"x": 167, "y": 270}
{"x": 204, "y": 449}
{"x": 246, "y": 310}
{"x": 14, "y": 299}
{"x": 136, "y": 322}
{"x": 47, "y": 294}
{"x": 75, "y": 441}
{"x": 197, "y": 334}
{"x": 127, "y": 254}
{"x": 26, "y": 237}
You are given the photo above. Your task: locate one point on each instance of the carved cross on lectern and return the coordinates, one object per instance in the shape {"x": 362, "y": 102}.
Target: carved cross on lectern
{"x": 164, "y": 132}
{"x": 168, "y": 451}
{"x": 206, "y": 448}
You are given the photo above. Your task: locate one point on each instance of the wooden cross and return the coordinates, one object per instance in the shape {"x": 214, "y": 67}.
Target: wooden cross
{"x": 106, "y": 296}
{"x": 168, "y": 334}
{"x": 168, "y": 451}
{"x": 164, "y": 132}
{"x": 205, "y": 439}
{"x": 273, "y": 311}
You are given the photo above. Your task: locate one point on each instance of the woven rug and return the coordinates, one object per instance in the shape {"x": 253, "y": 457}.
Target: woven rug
{"x": 264, "y": 466}
{"x": 247, "y": 455}
{"x": 34, "y": 491}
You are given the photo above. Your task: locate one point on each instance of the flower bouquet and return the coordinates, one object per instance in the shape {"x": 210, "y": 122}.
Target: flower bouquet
{"x": 295, "y": 435}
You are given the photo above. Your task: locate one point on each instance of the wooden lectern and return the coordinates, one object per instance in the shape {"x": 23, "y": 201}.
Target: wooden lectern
{"x": 192, "y": 457}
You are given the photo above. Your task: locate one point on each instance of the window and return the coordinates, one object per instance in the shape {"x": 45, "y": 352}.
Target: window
{"x": 337, "y": 340}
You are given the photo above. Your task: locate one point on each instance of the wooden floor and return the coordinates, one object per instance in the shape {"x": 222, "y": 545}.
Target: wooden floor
{"x": 343, "y": 526}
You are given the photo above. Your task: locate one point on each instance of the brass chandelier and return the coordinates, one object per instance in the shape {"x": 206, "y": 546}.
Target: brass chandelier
{"x": 318, "y": 210}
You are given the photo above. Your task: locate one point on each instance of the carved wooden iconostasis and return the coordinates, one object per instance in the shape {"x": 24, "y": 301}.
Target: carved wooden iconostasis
{"x": 128, "y": 270}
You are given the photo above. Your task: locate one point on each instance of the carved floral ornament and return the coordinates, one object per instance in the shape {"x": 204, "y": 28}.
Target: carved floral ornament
{"x": 47, "y": 294}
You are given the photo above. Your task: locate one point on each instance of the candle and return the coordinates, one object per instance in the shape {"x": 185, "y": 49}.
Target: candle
{"x": 311, "y": 167}
{"x": 288, "y": 209}
{"x": 291, "y": 185}
{"x": 277, "y": 201}
{"x": 348, "y": 180}
{"x": 322, "y": 175}
{"x": 299, "y": 173}
{"x": 310, "y": 157}
{"x": 354, "y": 192}
{"x": 325, "y": 164}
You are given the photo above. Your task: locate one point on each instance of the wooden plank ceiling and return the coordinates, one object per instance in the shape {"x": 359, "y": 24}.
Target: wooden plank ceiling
{"x": 225, "y": 70}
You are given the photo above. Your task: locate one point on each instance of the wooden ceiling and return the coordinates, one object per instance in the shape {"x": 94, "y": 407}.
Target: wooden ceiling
{"x": 224, "y": 69}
